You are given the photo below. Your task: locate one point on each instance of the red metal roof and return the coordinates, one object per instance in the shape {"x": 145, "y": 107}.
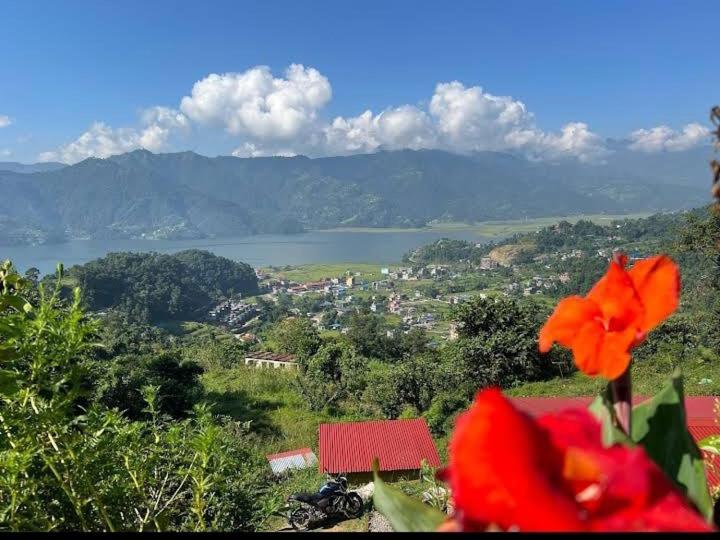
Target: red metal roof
{"x": 696, "y": 407}
{"x": 400, "y": 445}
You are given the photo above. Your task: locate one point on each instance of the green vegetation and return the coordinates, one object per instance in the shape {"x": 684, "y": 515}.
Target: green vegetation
{"x": 316, "y": 272}
{"x": 151, "y": 287}
{"x": 146, "y": 418}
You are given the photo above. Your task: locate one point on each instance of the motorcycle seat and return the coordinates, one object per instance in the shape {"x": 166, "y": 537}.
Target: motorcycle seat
{"x": 307, "y": 497}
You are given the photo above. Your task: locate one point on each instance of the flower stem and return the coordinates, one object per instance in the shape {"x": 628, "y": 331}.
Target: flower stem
{"x": 621, "y": 391}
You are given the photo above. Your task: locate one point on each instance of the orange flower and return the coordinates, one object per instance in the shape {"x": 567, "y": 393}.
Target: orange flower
{"x": 617, "y": 313}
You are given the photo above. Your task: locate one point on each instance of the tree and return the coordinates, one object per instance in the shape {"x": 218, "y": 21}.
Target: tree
{"x": 412, "y": 381}
{"x": 334, "y": 373}
{"x": 150, "y": 287}
{"x": 497, "y": 342}
{"x": 120, "y": 383}
{"x": 368, "y": 334}
{"x": 296, "y": 336}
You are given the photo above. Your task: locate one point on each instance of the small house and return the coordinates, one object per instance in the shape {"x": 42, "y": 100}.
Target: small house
{"x": 400, "y": 446}
{"x": 271, "y": 360}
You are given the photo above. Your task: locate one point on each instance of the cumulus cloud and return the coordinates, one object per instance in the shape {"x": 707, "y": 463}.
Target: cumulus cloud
{"x": 267, "y": 114}
{"x": 102, "y": 140}
{"x": 5, "y": 121}
{"x": 5, "y": 152}
{"x": 401, "y": 127}
{"x": 664, "y": 138}
{"x": 254, "y": 103}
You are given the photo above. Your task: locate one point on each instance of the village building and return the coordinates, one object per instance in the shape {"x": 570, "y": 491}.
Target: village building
{"x": 400, "y": 447}
{"x": 486, "y": 263}
{"x": 302, "y": 458}
{"x": 271, "y": 360}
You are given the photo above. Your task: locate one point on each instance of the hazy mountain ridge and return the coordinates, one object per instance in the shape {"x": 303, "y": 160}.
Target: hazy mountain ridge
{"x": 186, "y": 195}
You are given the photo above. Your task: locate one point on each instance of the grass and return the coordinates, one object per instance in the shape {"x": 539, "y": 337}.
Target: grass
{"x": 648, "y": 375}
{"x": 316, "y": 272}
{"x": 196, "y": 331}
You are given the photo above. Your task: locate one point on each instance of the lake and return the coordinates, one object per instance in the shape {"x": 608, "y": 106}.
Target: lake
{"x": 260, "y": 250}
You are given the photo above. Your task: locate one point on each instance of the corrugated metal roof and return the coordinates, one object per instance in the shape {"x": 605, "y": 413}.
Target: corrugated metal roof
{"x": 712, "y": 463}
{"x": 292, "y": 459}
{"x": 265, "y": 355}
{"x": 400, "y": 445}
{"x": 696, "y": 407}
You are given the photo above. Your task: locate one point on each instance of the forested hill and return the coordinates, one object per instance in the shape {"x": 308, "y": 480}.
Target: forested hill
{"x": 152, "y": 287}
{"x": 185, "y": 195}
{"x": 659, "y": 232}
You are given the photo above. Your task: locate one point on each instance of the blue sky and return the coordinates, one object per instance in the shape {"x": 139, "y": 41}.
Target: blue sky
{"x": 616, "y": 67}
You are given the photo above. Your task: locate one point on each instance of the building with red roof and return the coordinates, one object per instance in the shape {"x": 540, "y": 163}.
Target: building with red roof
{"x": 399, "y": 445}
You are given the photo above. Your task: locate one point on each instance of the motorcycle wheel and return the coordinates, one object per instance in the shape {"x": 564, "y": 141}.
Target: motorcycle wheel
{"x": 354, "y": 506}
{"x": 299, "y": 519}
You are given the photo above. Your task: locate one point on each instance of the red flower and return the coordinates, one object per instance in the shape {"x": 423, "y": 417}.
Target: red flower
{"x": 510, "y": 471}
{"x": 617, "y": 313}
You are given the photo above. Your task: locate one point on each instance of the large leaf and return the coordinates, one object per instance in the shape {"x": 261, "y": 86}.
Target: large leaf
{"x": 404, "y": 513}
{"x": 659, "y": 425}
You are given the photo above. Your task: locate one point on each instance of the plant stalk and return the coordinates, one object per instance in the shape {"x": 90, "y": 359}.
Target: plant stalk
{"x": 621, "y": 392}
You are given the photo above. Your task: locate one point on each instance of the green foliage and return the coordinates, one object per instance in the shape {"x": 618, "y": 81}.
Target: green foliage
{"x": 119, "y": 383}
{"x": 498, "y": 342}
{"x": 404, "y": 513}
{"x": 660, "y": 426}
{"x": 443, "y": 410}
{"x": 335, "y": 372}
{"x": 368, "y": 334}
{"x": 151, "y": 287}
{"x": 295, "y": 336}
{"x": 65, "y": 467}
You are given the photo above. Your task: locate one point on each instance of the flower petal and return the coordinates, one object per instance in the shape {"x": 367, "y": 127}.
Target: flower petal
{"x": 597, "y": 352}
{"x": 567, "y": 319}
{"x": 502, "y": 467}
{"x": 615, "y": 294}
{"x": 657, "y": 282}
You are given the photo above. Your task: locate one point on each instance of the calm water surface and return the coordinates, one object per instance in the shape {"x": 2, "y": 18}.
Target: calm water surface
{"x": 259, "y": 250}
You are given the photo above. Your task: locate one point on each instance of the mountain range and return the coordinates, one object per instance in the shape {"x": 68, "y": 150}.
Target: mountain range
{"x": 185, "y": 195}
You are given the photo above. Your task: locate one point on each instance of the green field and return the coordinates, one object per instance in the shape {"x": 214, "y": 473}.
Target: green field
{"x": 315, "y": 272}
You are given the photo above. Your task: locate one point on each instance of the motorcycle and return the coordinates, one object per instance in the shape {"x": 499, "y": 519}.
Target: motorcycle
{"x": 332, "y": 501}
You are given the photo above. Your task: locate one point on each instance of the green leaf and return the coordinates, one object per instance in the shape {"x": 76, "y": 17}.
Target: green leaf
{"x": 659, "y": 425}
{"x": 602, "y": 409}
{"x": 710, "y": 444}
{"x": 8, "y": 382}
{"x": 404, "y": 513}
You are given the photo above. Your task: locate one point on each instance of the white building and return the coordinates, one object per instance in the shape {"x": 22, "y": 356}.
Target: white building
{"x": 270, "y": 359}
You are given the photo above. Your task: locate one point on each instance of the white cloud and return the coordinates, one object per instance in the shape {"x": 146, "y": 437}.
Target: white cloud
{"x": 664, "y": 138}
{"x": 102, "y": 141}
{"x": 283, "y": 115}
{"x": 401, "y": 127}
{"x": 5, "y": 121}
{"x": 254, "y": 103}
{"x": 5, "y": 152}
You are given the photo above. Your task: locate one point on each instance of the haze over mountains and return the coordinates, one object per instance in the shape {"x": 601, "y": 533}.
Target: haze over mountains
{"x": 185, "y": 195}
